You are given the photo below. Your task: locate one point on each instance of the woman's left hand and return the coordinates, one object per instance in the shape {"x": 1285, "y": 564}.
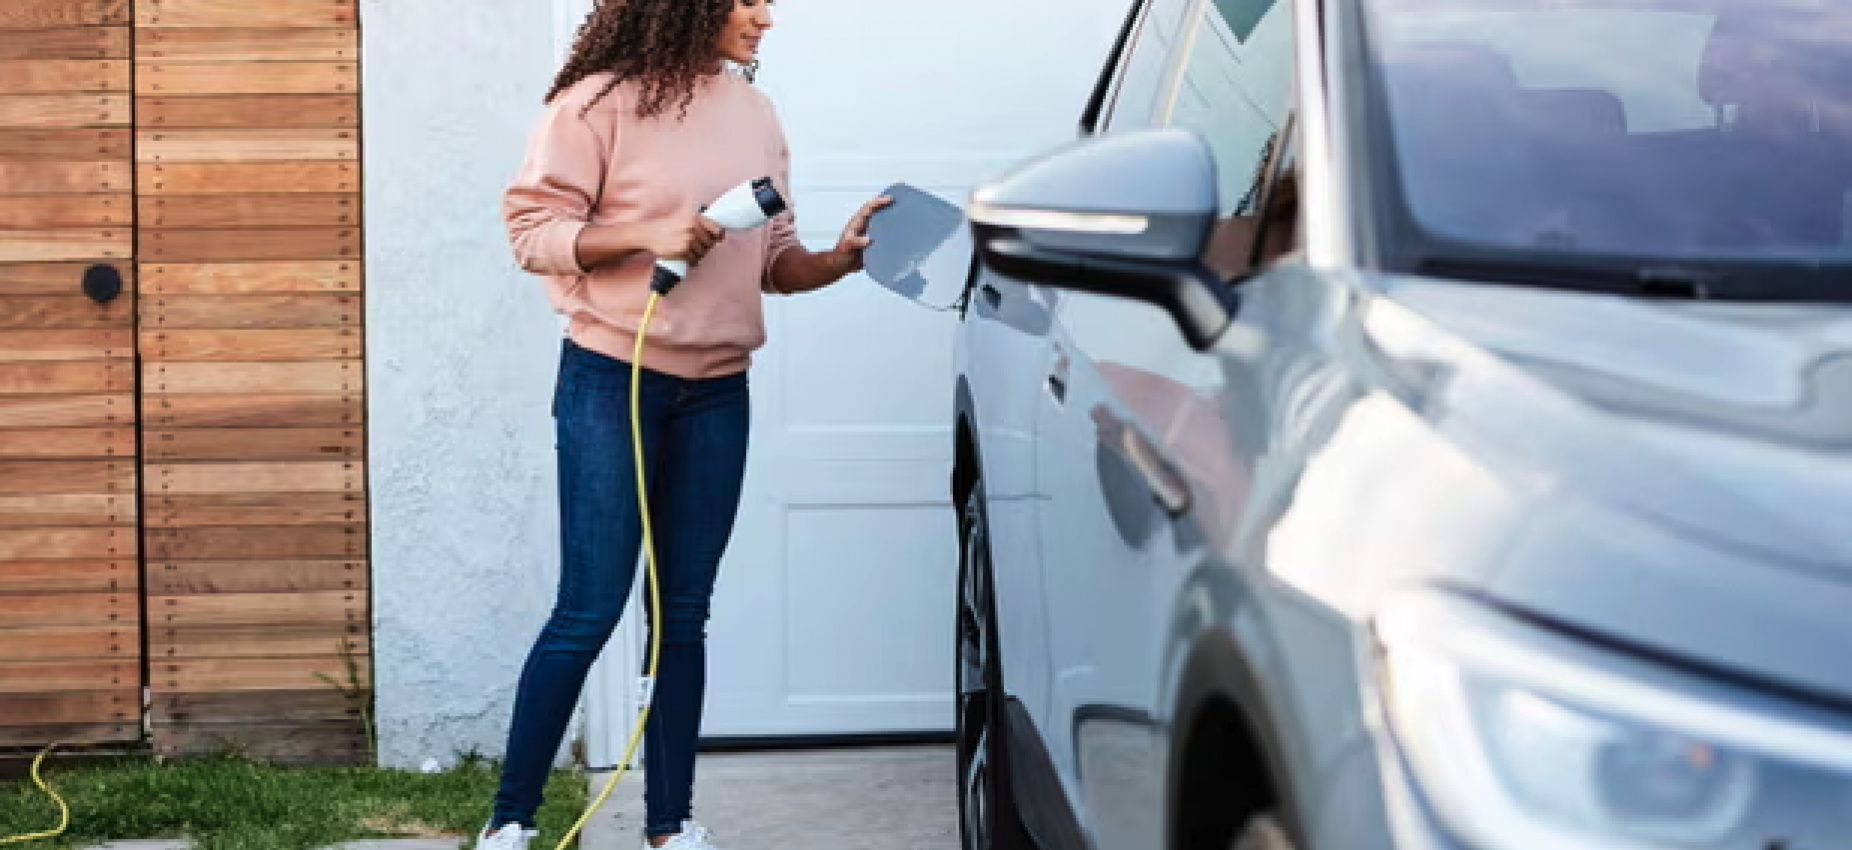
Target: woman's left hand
{"x": 847, "y": 256}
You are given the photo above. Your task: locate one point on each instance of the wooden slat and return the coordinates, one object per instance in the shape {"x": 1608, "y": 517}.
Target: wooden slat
{"x": 66, "y": 211}
{"x": 263, "y": 640}
{"x": 63, "y": 178}
{"x": 250, "y": 411}
{"x": 245, "y": 674}
{"x": 67, "y": 412}
{"x": 176, "y": 479}
{"x": 73, "y": 312}
{"x": 210, "y": 211}
{"x": 271, "y": 707}
{"x": 38, "y": 677}
{"x": 97, "y": 543}
{"x": 53, "y": 278}
{"x": 277, "y": 111}
{"x": 264, "y": 44}
{"x": 64, "y": 577}
{"x": 57, "y": 477}
{"x": 250, "y": 278}
{"x": 186, "y": 578}
{"x": 34, "y": 14}
{"x": 61, "y": 76}
{"x": 74, "y": 642}
{"x": 311, "y": 377}
{"x": 256, "y": 509}
{"x": 66, "y": 443}
{"x": 245, "y": 13}
{"x": 246, "y": 178}
{"x": 268, "y": 145}
{"x": 82, "y": 376}
{"x": 74, "y": 609}
{"x": 70, "y": 734}
{"x": 334, "y": 607}
{"x": 66, "y": 510}
{"x": 120, "y": 704}
{"x": 174, "y": 78}
{"x": 37, "y": 246}
{"x": 66, "y": 43}
{"x": 260, "y": 345}
{"x": 243, "y": 543}
{"x": 250, "y": 311}
{"x": 255, "y": 444}
{"x": 207, "y": 246}
{"x": 66, "y": 145}
{"x": 65, "y": 110}
{"x": 289, "y": 743}
{"x": 17, "y": 346}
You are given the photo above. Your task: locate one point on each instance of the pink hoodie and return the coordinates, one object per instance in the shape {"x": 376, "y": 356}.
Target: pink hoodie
{"x": 607, "y": 166}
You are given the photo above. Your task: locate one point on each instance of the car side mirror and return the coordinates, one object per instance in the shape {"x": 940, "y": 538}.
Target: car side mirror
{"x": 1123, "y": 215}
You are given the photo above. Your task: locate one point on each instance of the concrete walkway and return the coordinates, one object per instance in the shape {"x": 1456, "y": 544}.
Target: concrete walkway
{"x": 888, "y": 798}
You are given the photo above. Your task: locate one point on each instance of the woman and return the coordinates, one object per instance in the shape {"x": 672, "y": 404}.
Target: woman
{"x": 645, "y": 124}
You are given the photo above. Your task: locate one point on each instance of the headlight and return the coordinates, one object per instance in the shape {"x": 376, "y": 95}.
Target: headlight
{"x": 1526, "y": 741}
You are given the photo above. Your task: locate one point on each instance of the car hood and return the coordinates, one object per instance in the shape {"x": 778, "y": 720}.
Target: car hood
{"x": 1686, "y": 467}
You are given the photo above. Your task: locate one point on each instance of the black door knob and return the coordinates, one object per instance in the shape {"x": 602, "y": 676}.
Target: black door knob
{"x": 102, "y": 283}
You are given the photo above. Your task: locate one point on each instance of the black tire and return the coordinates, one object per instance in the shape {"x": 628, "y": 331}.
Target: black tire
{"x": 1263, "y": 832}
{"x": 987, "y": 815}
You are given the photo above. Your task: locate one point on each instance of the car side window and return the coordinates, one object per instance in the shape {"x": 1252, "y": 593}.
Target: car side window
{"x": 1235, "y": 88}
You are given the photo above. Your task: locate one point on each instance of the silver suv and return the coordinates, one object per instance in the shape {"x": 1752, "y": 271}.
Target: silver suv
{"x": 1418, "y": 424}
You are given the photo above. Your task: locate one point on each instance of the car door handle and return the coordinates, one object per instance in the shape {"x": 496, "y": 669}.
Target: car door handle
{"x": 992, "y": 295}
{"x": 1057, "y": 378}
{"x": 1166, "y": 484}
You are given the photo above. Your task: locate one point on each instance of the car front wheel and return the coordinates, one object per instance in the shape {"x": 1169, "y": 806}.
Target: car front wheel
{"x": 986, "y": 814}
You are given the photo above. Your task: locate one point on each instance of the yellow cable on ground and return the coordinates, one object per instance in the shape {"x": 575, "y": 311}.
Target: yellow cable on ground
{"x": 64, "y": 820}
{"x": 649, "y": 559}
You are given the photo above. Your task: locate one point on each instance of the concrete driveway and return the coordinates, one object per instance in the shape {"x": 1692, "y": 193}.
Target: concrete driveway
{"x": 885, "y": 798}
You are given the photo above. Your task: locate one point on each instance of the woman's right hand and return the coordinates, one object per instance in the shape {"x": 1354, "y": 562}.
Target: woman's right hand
{"x": 684, "y": 236}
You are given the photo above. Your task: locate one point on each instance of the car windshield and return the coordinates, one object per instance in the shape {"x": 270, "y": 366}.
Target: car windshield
{"x": 1684, "y": 130}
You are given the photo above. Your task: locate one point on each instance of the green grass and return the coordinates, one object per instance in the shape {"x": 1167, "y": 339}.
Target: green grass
{"x": 226, "y": 803}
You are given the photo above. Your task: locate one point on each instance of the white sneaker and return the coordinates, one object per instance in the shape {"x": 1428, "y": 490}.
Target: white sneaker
{"x": 692, "y": 837}
{"x": 510, "y": 837}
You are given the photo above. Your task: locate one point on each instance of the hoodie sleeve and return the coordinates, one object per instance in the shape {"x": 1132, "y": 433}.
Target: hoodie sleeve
{"x": 551, "y": 198}
{"x": 783, "y": 227}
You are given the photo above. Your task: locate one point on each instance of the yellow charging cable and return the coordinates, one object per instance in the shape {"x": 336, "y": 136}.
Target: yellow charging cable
{"x": 649, "y": 560}
{"x": 64, "y": 819}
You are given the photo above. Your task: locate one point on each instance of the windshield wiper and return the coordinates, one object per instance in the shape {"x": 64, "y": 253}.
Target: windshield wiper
{"x": 1746, "y": 280}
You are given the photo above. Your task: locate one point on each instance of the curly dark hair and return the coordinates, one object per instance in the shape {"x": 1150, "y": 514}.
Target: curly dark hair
{"x": 664, "y": 45}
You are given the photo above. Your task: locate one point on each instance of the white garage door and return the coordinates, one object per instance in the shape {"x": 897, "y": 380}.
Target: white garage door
{"x": 833, "y": 614}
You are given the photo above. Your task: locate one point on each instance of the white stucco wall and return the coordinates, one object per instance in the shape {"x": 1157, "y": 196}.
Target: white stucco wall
{"x": 461, "y": 351}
